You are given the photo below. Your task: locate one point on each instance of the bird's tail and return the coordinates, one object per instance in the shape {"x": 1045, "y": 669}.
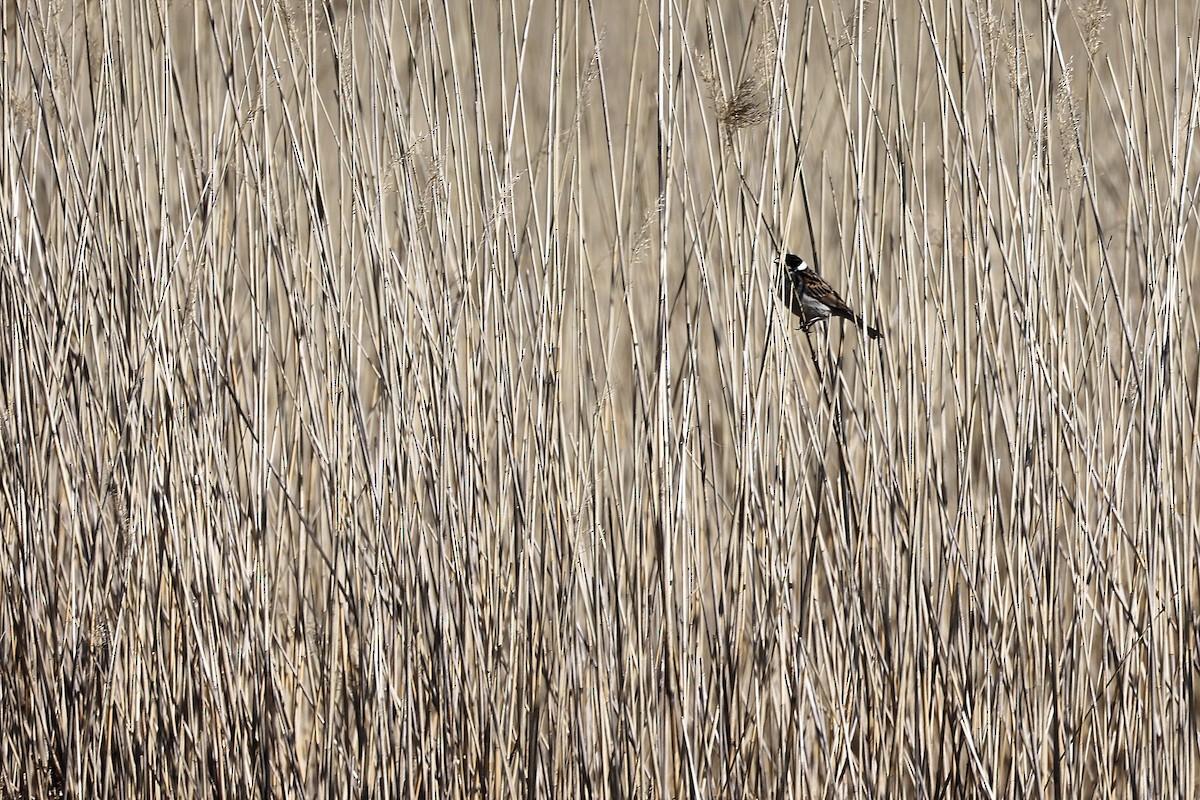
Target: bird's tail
{"x": 857, "y": 319}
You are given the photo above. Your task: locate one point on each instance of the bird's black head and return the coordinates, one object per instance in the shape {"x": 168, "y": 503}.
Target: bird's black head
{"x": 795, "y": 263}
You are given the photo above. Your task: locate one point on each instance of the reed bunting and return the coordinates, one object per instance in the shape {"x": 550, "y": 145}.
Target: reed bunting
{"x": 810, "y": 298}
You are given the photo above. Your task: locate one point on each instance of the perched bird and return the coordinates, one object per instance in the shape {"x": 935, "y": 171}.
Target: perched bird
{"x": 810, "y": 298}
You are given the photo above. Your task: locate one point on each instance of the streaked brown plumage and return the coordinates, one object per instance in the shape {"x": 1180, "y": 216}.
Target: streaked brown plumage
{"x": 810, "y": 298}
